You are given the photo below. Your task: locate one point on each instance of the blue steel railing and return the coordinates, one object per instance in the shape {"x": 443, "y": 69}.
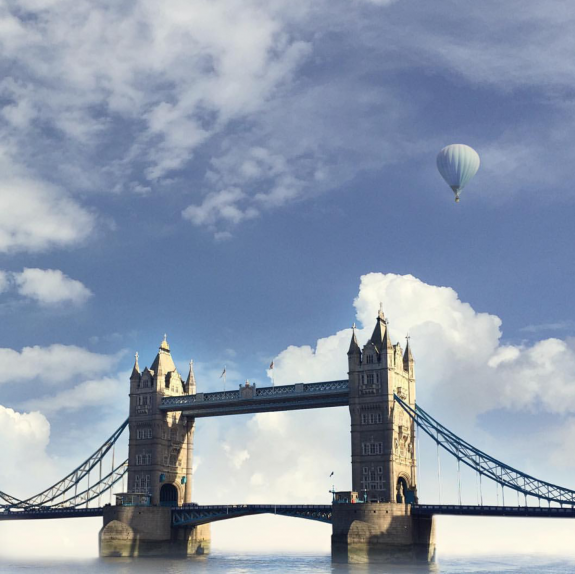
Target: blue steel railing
{"x": 301, "y": 389}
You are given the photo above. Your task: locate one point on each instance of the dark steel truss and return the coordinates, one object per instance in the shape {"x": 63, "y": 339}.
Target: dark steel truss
{"x": 60, "y": 494}
{"x": 194, "y": 515}
{"x": 484, "y": 464}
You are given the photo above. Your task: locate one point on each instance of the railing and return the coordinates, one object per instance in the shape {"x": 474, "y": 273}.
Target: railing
{"x": 194, "y": 515}
{"x": 299, "y": 389}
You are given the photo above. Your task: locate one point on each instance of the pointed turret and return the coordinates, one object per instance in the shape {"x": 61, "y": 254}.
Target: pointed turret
{"x": 163, "y": 363}
{"x": 380, "y": 329}
{"x": 353, "y": 346}
{"x": 191, "y": 381}
{"x": 408, "y": 361}
{"x": 135, "y": 376}
{"x": 354, "y": 353}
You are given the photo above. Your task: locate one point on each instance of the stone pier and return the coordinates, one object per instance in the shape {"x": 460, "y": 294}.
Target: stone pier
{"x": 130, "y": 531}
{"x": 381, "y": 532}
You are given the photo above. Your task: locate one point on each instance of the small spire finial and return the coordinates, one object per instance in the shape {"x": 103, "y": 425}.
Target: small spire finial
{"x": 165, "y": 337}
{"x": 353, "y": 326}
{"x": 380, "y": 313}
{"x": 137, "y": 356}
{"x": 407, "y": 337}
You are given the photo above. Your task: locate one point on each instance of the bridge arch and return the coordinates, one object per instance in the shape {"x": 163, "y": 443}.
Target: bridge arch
{"x": 169, "y": 495}
{"x": 405, "y": 491}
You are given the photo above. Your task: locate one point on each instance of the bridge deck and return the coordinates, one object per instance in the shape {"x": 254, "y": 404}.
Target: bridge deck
{"x": 196, "y": 514}
{"x": 46, "y": 513}
{"x": 249, "y": 400}
{"x": 473, "y": 510}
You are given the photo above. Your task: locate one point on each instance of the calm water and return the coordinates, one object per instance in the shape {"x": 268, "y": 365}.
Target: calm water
{"x": 243, "y": 563}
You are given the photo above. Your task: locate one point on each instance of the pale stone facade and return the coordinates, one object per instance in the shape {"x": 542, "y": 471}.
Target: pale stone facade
{"x": 382, "y": 434}
{"x": 160, "y": 444}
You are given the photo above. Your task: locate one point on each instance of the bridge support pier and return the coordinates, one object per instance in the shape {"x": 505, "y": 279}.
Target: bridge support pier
{"x": 147, "y": 531}
{"x": 381, "y": 532}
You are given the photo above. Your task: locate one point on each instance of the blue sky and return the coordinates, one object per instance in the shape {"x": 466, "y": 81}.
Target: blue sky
{"x": 226, "y": 172}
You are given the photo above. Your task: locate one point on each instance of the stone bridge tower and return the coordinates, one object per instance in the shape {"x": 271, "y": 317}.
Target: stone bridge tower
{"x": 383, "y": 459}
{"x": 161, "y": 444}
{"x": 382, "y": 434}
{"x": 159, "y": 470}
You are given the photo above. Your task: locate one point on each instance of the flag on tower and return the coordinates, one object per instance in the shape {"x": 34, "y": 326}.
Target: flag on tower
{"x": 224, "y": 377}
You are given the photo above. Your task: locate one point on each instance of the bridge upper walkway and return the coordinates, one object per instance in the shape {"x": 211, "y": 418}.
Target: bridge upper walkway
{"x": 251, "y": 399}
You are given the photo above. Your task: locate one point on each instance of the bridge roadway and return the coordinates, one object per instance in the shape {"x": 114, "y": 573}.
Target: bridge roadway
{"x": 250, "y": 399}
{"x": 189, "y": 515}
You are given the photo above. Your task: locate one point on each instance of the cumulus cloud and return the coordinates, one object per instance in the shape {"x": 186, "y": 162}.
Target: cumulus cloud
{"x": 458, "y": 351}
{"x": 51, "y": 287}
{"x": 92, "y": 393}
{"x": 53, "y": 364}
{"x": 25, "y": 437}
{"x": 35, "y": 216}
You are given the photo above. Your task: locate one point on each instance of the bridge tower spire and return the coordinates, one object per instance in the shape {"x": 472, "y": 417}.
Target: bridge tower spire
{"x": 382, "y": 435}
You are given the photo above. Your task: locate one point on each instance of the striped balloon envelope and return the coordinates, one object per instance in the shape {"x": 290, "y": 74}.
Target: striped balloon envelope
{"x": 457, "y": 164}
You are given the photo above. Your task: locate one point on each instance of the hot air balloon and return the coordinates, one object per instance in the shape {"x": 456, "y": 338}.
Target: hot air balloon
{"x": 457, "y": 164}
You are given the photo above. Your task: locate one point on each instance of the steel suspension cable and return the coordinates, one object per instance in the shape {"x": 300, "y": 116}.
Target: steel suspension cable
{"x": 495, "y": 470}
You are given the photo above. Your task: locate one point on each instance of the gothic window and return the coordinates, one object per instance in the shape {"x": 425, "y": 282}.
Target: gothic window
{"x": 149, "y": 433}
{"x": 371, "y": 448}
{"x": 370, "y": 379}
{"x": 365, "y": 470}
{"x": 369, "y": 359}
{"x": 363, "y": 418}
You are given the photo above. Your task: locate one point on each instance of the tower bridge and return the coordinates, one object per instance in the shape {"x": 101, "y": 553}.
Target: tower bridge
{"x": 379, "y": 518}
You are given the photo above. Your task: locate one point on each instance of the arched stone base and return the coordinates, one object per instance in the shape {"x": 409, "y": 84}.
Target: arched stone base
{"x": 147, "y": 531}
{"x": 381, "y": 532}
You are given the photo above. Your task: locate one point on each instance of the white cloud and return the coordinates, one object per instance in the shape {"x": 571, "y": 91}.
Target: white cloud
{"x": 222, "y": 205}
{"x": 25, "y": 437}
{"x": 185, "y": 70}
{"x": 51, "y": 287}
{"x": 4, "y": 281}
{"x": 36, "y": 216}
{"x": 102, "y": 392}
{"x": 457, "y": 350}
{"x": 53, "y": 364}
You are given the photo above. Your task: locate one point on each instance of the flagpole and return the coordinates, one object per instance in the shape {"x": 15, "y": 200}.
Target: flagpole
{"x": 223, "y": 376}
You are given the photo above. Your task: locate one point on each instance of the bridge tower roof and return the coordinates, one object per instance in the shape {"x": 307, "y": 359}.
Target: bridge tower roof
{"x": 380, "y": 337}
{"x": 354, "y": 346}
{"x": 136, "y": 370}
{"x": 191, "y": 381}
{"x": 163, "y": 363}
